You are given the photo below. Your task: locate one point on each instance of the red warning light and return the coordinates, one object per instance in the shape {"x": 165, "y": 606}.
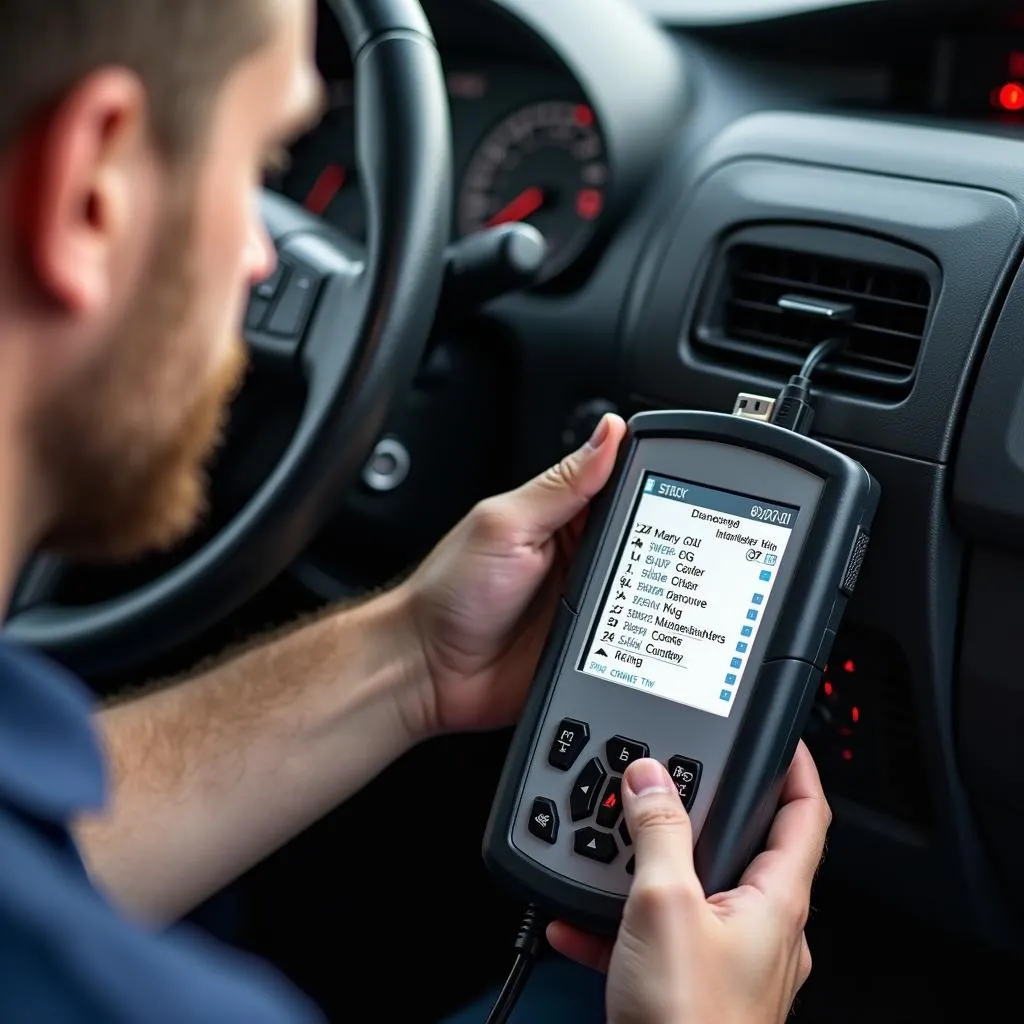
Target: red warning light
{"x": 589, "y": 203}
{"x": 330, "y": 182}
{"x": 584, "y": 116}
{"x": 847, "y": 754}
{"x": 855, "y": 714}
{"x": 610, "y": 802}
{"x": 828, "y": 690}
{"x": 1010, "y": 97}
{"x": 849, "y": 666}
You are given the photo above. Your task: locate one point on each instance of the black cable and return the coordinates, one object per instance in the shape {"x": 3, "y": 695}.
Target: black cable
{"x": 529, "y": 946}
{"x": 819, "y": 354}
{"x": 511, "y": 990}
{"x": 793, "y": 409}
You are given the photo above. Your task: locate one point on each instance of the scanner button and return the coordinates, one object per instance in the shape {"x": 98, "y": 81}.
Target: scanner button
{"x": 611, "y": 803}
{"x": 622, "y": 752}
{"x": 588, "y": 842}
{"x": 587, "y": 789}
{"x": 685, "y": 774}
{"x": 624, "y": 834}
{"x": 570, "y": 739}
{"x": 544, "y": 819}
{"x": 631, "y": 866}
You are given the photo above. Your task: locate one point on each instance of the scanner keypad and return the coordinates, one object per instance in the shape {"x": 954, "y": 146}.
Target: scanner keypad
{"x": 595, "y": 798}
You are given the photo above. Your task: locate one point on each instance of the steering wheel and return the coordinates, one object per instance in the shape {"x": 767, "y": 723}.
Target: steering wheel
{"x": 354, "y": 323}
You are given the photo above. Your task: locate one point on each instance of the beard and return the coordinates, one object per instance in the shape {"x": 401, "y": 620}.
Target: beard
{"x": 125, "y": 444}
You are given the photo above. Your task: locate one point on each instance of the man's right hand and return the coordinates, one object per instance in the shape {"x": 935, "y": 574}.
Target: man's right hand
{"x": 737, "y": 957}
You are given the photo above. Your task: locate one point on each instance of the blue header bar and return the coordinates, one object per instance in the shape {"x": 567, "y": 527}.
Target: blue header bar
{"x": 726, "y": 503}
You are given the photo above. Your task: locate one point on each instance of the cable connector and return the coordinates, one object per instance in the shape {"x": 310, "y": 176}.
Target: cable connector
{"x": 530, "y": 939}
{"x": 793, "y": 409}
{"x": 754, "y": 407}
{"x": 529, "y": 945}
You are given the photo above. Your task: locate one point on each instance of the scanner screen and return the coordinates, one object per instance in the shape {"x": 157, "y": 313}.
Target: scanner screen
{"x": 688, "y": 592}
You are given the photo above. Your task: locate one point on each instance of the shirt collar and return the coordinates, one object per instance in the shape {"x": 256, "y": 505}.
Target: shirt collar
{"x": 51, "y": 766}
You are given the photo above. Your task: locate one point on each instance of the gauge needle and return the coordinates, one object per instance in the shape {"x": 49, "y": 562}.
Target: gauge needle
{"x": 330, "y": 182}
{"x": 520, "y": 208}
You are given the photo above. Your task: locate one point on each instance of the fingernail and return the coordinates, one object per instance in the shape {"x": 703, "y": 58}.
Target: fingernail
{"x": 600, "y": 435}
{"x": 647, "y": 776}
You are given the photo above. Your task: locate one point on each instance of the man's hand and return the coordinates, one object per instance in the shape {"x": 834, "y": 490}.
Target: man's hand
{"x": 213, "y": 774}
{"x": 737, "y": 958}
{"x": 483, "y": 602}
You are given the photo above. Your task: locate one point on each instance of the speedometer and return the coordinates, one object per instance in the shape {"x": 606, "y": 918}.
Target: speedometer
{"x": 544, "y": 165}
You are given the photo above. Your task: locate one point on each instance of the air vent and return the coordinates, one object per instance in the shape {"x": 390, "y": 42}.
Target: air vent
{"x": 886, "y": 308}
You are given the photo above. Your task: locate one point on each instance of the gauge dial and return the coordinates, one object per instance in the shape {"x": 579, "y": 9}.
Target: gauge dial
{"x": 544, "y": 165}
{"x": 323, "y": 177}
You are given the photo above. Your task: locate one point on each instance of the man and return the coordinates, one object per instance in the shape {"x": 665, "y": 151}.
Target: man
{"x": 133, "y": 134}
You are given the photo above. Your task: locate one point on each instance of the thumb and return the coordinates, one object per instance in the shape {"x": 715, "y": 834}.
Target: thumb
{"x": 555, "y": 498}
{"x": 660, "y": 829}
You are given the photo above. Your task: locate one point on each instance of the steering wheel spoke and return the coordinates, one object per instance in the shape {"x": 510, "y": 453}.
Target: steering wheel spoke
{"x": 317, "y": 269}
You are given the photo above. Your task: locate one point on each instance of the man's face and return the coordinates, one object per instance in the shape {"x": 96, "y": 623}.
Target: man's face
{"x": 124, "y": 440}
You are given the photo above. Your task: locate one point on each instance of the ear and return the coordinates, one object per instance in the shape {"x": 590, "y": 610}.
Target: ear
{"x": 88, "y": 181}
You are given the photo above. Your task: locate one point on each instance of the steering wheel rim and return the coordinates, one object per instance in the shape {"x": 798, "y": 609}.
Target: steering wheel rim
{"x": 356, "y": 363}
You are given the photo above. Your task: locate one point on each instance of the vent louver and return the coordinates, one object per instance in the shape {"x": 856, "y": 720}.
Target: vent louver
{"x": 745, "y": 323}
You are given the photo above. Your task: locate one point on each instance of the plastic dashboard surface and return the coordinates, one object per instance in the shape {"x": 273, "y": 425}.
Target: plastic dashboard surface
{"x": 916, "y": 187}
{"x": 953, "y": 197}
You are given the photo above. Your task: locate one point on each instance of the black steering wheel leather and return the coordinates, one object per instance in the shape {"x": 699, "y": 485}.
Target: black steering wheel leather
{"x": 359, "y": 353}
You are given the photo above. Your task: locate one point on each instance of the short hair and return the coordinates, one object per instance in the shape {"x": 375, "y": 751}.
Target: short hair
{"x": 182, "y": 50}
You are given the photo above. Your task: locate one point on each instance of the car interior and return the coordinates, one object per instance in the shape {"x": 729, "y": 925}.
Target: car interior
{"x": 596, "y": 206}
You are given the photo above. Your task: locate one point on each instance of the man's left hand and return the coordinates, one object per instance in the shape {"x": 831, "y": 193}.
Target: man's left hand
{"x": 483, "y": 602}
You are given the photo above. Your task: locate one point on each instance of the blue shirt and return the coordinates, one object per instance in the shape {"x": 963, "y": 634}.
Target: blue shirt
{"x": 66, "y": 955}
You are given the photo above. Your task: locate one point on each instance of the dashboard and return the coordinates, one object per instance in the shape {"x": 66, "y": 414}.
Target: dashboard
{"x": 528, "y": 148}
{"x": 686, "y": 175}
{"x": 529, "y": 145}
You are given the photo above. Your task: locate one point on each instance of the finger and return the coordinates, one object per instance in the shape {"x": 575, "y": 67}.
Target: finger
{"x": 806, "y": 964}
{"x": 802, "y": 779}
{"x": 662, "y": 837}
{"x": 588, "y": 950}
{"x": 553, "y": 499}
{"x": 797, "y": 838}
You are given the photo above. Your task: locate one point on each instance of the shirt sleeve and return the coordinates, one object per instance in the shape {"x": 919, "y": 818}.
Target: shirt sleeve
{"x": 67, "y": 957}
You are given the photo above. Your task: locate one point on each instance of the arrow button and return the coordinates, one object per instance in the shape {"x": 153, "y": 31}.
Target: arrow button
{"x": 583, "y": 798}
{"x": 599, "y": 846}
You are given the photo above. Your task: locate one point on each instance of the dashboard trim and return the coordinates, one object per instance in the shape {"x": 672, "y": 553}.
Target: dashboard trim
{"x": 854, "y": 175}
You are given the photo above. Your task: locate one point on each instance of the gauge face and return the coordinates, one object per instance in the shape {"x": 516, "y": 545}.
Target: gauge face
{"x": 323, "y": 177}
{"x": 544, "y": 165}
